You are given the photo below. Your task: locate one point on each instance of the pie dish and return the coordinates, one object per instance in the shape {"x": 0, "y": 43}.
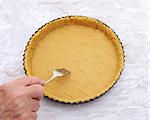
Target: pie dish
{"x": 86, "y": 46}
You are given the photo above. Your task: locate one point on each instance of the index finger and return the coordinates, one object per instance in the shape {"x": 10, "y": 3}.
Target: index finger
{"x": 27, "y": 81}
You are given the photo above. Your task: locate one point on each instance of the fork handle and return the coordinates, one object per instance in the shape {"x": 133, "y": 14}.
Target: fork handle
{"x": 49, "y": 80}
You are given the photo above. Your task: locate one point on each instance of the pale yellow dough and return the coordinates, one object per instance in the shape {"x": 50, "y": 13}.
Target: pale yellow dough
{"x": 86, "y": 47}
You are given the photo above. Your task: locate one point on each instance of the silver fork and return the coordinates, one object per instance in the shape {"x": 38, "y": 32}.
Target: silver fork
{"x": 58, "y": 73}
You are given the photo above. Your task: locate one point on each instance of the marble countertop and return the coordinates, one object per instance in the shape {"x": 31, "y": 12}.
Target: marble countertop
{"x": 127, "y": 100}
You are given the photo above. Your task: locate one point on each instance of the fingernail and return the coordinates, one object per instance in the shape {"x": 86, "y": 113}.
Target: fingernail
{"x": 42, "y": 82}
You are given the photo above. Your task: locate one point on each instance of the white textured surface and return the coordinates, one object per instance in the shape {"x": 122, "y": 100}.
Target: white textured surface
{"x": 127, "y": 100}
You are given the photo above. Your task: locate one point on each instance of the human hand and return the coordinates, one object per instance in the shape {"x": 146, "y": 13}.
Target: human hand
{"x": 20, "y": 99}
